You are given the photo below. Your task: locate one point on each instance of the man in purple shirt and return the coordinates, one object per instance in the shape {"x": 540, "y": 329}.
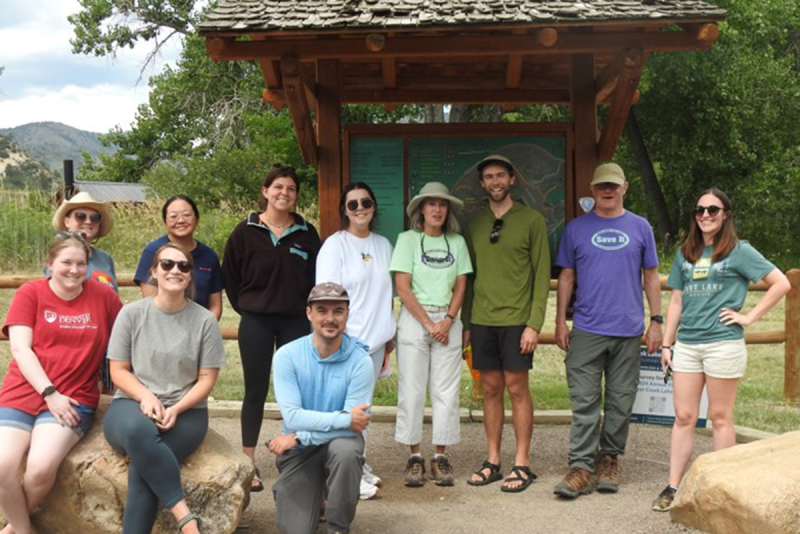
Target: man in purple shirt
{"x": 604, "y": 254}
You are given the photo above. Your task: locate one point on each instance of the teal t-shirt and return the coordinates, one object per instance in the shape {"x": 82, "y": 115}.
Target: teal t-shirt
{"x": 433, "y": 270}
{"x": 710, "y": 286}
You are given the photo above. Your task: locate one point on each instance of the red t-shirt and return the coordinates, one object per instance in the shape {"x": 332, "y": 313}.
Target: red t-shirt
{"x": 69, "y": 339}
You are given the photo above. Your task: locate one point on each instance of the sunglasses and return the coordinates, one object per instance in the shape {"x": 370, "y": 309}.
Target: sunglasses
{"x": 712, "y": 210}
{"x": 494, "y": 235}
{"x": 63, "y": 235}
{"x": 168, "y": 265}
{"x": 366, "y": 203}
{"x": 81, "y": 216}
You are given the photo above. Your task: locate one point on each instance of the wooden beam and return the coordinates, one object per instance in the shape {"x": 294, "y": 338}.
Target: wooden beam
{"x": 272, "y": 73}
{"x": 514, "y": 71}
{"x": 311, "y": 87}
{"x": 389, "y": 72}
{"x": 298, "y": 105}
{"x": 547, "y": 37}
{"x": 463, "y": 96}
{"x": 274, "y": 97}
{"x": 584, "y": 121}
{"x": 703, "y": 32}
{"x": 607, "y": 80}
{"x": 621, "y": 102}
{"x": 455, "y": 46}
{"x": 330, "y": 151}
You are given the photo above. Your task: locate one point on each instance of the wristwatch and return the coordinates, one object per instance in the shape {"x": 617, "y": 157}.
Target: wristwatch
{"x": 49, "y": 390}
{"x": 657, "y": 319}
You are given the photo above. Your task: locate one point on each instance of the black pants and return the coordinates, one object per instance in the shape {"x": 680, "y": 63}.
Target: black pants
{"x": 259, "y": 336}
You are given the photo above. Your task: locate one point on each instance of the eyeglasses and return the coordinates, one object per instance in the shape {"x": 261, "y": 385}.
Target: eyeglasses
{"x": 174, "y": 216}
{"x": 64, "y": 235}
{"x": 81, "y": 216}
{"x": 366, "y": 203}
{"x": 168, "y": 265}
{"x": 494, "y": 235}
{"x": 712, "y": 210}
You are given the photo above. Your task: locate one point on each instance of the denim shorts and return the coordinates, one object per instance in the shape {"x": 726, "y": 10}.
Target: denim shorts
{"x": 25, "y": 421}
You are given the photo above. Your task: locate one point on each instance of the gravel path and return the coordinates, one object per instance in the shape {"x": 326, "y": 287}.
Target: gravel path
{"x": 464, "y": 508}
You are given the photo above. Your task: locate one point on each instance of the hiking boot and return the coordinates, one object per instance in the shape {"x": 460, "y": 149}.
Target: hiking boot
{"x": 664, "y": 500}
{"x": 415, "y": 472}
{"x": 577, "y": 482}
{"x": 441, "y": 471}
{"x": 607, "y": 472}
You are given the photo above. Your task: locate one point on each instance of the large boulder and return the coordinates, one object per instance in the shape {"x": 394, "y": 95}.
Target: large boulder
{"x": 745, "y": 489}
{"x": 91, "y": 490}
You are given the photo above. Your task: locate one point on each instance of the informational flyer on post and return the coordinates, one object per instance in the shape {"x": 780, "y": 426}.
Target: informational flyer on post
{"x": 653, "y": 404}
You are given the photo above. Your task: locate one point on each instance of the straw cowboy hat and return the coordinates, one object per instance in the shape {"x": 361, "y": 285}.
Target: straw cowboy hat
{"x": 435, "y": 190}
{"x": 84, "y": 200}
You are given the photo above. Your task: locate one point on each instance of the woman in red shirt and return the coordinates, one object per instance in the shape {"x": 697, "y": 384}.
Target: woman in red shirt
{"x": 59, "y": 328}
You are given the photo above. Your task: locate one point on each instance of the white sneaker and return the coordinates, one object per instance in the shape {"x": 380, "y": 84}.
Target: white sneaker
{"x": 369, "y": 477}
{"x": 367, "y": 490}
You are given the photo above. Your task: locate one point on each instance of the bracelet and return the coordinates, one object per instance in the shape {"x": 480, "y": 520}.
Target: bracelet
{"x": 667, "y": 347}
{"x": 450, "y": 317}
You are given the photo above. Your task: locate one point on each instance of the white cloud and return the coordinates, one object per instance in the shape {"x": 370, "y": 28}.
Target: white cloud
{"x": 97, "y": 109}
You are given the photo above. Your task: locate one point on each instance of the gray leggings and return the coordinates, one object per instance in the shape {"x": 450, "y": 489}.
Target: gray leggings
{"x": 154, "y": 473}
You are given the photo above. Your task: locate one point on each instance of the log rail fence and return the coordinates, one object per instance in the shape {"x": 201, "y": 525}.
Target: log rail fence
{"x": 790, "y": 335}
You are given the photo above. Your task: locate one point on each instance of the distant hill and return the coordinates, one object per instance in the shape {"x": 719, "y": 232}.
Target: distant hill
{"x": 20, "y": 171}
{"x": 53, "y": 142}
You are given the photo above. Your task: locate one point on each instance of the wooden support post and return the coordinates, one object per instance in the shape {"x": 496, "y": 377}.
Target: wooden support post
{"x": 791, "y": 377}
{"x": 584, "y": 122}
{"x": 330, "y": 149}
{"x": 621, "y": 102}
{"x": 298, "y": 105}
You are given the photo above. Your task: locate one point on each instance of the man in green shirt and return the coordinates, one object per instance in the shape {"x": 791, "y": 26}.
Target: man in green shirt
{"x": 503, "y": 313}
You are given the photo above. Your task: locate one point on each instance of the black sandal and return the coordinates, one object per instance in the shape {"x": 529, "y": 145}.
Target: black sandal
{"x": 516, "y": 476}
{"x": 256, "y": 485}
{"x": 494, "y": 474}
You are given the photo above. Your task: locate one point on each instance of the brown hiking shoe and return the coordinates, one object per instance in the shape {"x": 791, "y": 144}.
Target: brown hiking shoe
{"x": 607, "y": 471}
{"x": 577, "y": 482}
{"x": 441, "y": 471}
{"x": 415, "y": 472}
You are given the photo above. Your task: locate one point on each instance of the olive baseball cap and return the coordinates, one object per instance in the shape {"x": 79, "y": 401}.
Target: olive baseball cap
{"x": 608, "y": 173}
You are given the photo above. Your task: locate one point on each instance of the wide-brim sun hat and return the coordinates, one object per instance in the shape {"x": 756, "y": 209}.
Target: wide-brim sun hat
{"x": 84, "y": 200}
{"x": 435, "y": 190}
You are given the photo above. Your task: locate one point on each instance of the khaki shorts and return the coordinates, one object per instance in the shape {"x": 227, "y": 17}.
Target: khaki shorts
{"x": 720, "y": 359}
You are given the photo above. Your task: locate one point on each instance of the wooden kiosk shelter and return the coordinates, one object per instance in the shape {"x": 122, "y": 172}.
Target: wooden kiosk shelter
{"x": 319, "y": 54}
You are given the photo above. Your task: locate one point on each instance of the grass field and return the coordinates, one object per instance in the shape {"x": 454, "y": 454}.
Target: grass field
{"x": 759, "y": 405}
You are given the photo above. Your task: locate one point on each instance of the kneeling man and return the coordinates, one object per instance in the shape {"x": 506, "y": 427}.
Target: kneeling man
{"x": 323, "y": 385}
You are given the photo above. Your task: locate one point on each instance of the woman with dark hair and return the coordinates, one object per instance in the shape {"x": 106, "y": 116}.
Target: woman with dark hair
{"x": 709, "y": 280}
{"x": 165, "y": 352}
{"x": 268, "y": 270}
{"x": 180, "y": 216}
{"x": 358, "y": 259}
{"x": 58, "y": 328}
{"x": 431, "y": 264}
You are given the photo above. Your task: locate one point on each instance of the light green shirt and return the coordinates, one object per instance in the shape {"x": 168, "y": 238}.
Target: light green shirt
{"x": 433, "y": 270}
{"x": 710, "y": 286}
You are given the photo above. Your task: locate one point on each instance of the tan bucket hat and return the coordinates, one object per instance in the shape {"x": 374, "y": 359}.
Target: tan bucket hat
{"x": 84, "y": 200}
{"x": 435, "y": 190}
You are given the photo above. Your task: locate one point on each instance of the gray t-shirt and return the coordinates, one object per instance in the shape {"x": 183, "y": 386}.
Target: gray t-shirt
{"x": 166, "y": 349}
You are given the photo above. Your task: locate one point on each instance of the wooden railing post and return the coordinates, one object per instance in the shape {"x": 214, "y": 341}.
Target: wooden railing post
{"x": 791, "y": 377}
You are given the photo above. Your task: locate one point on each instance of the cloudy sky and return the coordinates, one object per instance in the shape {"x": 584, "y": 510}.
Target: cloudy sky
{"x": 44, "y": 81}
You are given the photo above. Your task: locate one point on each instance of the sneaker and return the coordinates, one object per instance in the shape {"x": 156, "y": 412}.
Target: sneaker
{"x": 441, "y": 471}
{"x": 366, "y": 490}
{"x": 664, "y": 500}
{"x": 577, "y": 482}
{"x": 607, "y": 471}
{"x": 415, "y": 472}
{"x": 368, "y": 476}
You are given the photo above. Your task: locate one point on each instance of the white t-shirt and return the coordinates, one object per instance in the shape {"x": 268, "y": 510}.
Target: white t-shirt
{"x": 361, "y": 265}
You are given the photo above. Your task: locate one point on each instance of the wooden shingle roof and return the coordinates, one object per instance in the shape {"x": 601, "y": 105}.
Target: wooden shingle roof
{"x": 316, "y": 15}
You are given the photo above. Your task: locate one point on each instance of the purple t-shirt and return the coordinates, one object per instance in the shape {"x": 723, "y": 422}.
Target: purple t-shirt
{"x": 608, "y": 256}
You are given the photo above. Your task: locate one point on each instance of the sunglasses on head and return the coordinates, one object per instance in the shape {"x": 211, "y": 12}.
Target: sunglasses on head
{"x": 712, "y": 210}
{"x": 70, "y": 235}
{"x": 366, "y": 203}
{"x": 81, "y": 216}
{"x": 168, "y": 265}
{"x": 494, "y": 235}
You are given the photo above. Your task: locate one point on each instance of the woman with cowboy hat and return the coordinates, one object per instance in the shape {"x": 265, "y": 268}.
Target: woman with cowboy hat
{"x": 82, "y": 213}
{"x": 431, "y": 264}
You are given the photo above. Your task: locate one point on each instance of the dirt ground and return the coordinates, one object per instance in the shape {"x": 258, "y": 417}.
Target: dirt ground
{"x": 463, "y": 508}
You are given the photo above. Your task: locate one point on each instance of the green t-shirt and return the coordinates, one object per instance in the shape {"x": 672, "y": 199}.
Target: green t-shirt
{"x": 434, "y": 270}
{"x": 710, "y": 286}
{"x": 512, "y": 276}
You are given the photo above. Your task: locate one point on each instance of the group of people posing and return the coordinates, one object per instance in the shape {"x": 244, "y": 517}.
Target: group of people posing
{"x": 322, "y": 315}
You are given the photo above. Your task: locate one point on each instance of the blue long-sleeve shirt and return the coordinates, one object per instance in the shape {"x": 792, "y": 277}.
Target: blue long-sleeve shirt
{"x": 315, "y": 394}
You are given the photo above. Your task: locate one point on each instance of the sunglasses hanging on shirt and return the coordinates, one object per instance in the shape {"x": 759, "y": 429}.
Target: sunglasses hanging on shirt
{"x": 494, "y": 235}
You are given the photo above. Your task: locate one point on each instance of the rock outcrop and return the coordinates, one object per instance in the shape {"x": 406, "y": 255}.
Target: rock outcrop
{"x": 745, "y": 489}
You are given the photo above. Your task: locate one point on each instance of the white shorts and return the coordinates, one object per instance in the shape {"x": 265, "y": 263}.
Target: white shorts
{"x": 720, "y": 359}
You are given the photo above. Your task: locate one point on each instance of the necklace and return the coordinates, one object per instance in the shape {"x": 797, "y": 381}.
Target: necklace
{"x": 276, "y": 225}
